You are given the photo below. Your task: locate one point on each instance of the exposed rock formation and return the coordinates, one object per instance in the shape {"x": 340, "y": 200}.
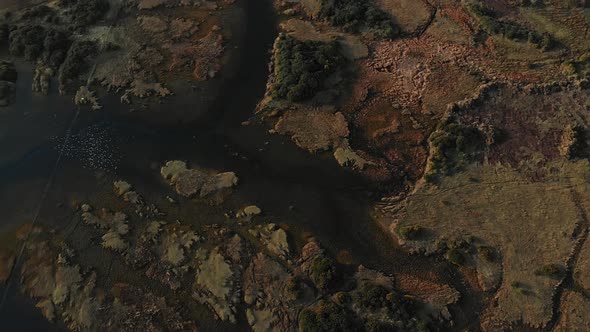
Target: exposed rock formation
{"x": 195, "y": 182}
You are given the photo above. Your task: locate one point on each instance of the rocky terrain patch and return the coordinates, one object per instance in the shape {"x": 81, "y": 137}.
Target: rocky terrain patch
{"x": 106, "y": 43}
{"x": 232, "y": 270}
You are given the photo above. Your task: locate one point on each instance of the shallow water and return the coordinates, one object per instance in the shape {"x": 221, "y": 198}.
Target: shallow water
{"x": 304, "y": 192}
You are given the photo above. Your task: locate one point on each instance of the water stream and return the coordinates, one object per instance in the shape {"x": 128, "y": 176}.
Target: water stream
{"x": 304, "y": 192}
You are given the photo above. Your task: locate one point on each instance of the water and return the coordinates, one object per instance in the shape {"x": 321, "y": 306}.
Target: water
{"x": 306, "y": 193}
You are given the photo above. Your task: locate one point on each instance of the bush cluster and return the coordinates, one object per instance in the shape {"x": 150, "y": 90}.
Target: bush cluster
{"x": 372, "y": 297}
{"x": 36, "y": 42}
{"x": 76, "y": 60}
{"x": 27, "y": 41}
{"x": 353, "y": 15}
{"x": 83, "y": 13}
{"x": 452, "y": 146}
{"x": 550, "y": 270}
{"x": 301, "y": 67}
{"x": 579, "y": 69}
{"x": 43, "y": 13}
{"x": 327, "y": 316}
{"x": 494, "y": 25}
{"x": 411, "y": 232}
{"x": 323, "y": 272}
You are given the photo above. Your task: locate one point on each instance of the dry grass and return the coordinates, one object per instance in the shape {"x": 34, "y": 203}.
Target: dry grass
{"x": 582, "y": 269}
{"x": 313, "y": 130}
{"x": 531, "y": 224}
{"x": 352, "y": 46}
{"x": 410, "y": 15}
{"x": 574, "y": 313}
{"x": 568, "y": 26}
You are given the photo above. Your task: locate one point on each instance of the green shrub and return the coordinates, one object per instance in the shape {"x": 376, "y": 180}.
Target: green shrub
{"x": 550, "y": 270}
{"x": 495, "y": 25}
{"x": 455, "y": 256}
{"x": 83, "y": 13}
{"x": 40, "y": 12}
{"x": 294, "y": 288}
{"x": 578, "y": 68}
{"x": 452, "y": 146}
{"x": 36, "y": 42}
{"x": 301, "y": 67}
{"x": 323, "y": 272}
{"x": 55, "y": 47}
{"x": 352, "y": 15}
{"x": 27, "y": 41}
{"x": 326, "y": 316}
{"x": 411, "y": 232}
{"x": 76, "y": 60}
{"x": 487, "y": 253}
{"x": 372, "y": 297}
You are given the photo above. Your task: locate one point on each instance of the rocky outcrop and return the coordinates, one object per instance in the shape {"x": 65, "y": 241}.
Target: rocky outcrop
{"x": 273, "y": 238}
{"x": 217, "y": 281}
{"x": 195, "y": 182}
{"x": 115, "y": 227}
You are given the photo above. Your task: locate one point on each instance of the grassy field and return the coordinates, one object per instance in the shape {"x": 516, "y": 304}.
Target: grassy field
{"x": 532, "y": 225}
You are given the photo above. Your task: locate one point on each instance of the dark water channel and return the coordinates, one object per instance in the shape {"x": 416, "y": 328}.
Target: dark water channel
{"x": 201, "y": 125}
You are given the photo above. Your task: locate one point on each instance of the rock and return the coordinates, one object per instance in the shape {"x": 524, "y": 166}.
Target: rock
{"x": 274, "y": 239}
{"x": 249, "y": 211}
{"x": 215, "y": 284}
{"x": 121, "y": 188}
{"x": 219, "y": 182}
{"x": 67, "y": 279}
{"x": 47, "y": 309}
{"x": 115, "y": 225}
{"x": 133, "y": 197}
{"x": 173, "y": 169}
{"x": 175, "y": 243}
{"x": 86, "y": 208}
{"x": 192, "y": 182}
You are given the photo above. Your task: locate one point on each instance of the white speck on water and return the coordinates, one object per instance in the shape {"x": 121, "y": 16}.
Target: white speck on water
{"x": 92, "y": 146}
